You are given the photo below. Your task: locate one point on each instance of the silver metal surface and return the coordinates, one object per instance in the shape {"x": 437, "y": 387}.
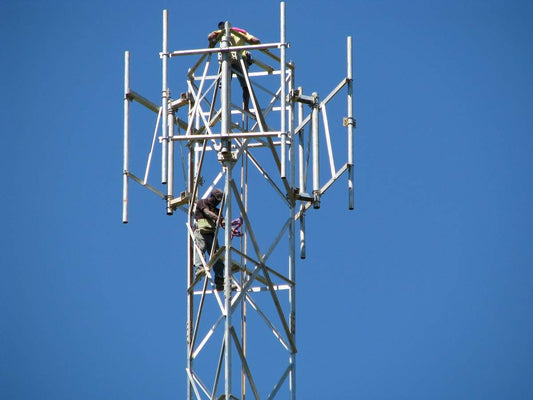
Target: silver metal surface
{"x": 273, "y": 151}
{"x": 315, "y": 145}
{"x": 164, "y": 99}
{"x": 351, "y": 122}
{"x": 283, "y": 113}
{"x": 126, "y": 137}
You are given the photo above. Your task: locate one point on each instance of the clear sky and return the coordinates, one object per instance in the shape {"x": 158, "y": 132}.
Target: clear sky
{"x": 424, "y": 291}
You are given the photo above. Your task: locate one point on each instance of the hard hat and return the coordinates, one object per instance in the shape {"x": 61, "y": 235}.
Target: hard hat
{"x": 217, "y": 194}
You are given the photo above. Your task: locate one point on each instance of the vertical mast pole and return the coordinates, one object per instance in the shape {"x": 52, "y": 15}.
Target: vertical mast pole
{"x": 226, "y": 157}
{"x": 227, "y": 280}
{"x": 164, "y": 98}
{"x": 292, "y": 242}
{"x": 351, "y": 123}
{"x": 126, "y": 137}
{"x": 192, "y": 173}
{"x": 170, "y": 183}
{"x": 315, "y": 151}
{"x": 190, "y": 273}
{"x": 244, "y": 248}
{"x": 225, "y": 97}
{"x": 301, "y": 167}
{"x": 170, "y": 129}
{"x": 283, "y": 92}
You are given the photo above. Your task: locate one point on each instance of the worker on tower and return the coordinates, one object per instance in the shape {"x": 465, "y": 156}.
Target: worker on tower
{"x": 239, "y": 37}
{"x": 206, "y": 217}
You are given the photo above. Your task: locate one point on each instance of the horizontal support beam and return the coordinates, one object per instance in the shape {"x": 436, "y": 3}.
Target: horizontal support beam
{"x": 251, "y": 74}
{"x": 255, "y": 289}
{"x": 179, "y": 201}
{"x": 269, "y": 69}
{"x": 224, "y": 136}
{"x": 139, "y": 181}
{"x": 178, "y": 103}
{"x": 231, "y": 48}
{"x": 132, "y": 95}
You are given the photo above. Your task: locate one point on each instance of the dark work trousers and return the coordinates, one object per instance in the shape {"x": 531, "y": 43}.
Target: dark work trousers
{"x": 240, "y": 76}
{"x": 204, "y": 242}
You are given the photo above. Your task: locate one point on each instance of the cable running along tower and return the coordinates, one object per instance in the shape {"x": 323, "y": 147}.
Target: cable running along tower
{"x": 268, "y": 160}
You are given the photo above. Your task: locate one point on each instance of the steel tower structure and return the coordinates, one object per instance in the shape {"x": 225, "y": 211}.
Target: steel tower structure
{"x": 267, "y": 159}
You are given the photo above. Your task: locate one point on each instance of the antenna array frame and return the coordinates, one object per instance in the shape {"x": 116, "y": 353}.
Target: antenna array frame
{"x": 249, "y": 271}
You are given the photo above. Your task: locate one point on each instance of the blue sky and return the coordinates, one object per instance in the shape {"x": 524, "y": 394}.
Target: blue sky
{"x": 423, "y": 291}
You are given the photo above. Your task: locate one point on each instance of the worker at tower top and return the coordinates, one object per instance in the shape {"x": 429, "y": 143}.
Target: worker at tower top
{"x": 238, "y": 37}
{"x": 206, "y": 217}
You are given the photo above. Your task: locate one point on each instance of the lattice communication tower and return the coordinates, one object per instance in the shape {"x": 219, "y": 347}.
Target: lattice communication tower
{"x": 267, "y": 159}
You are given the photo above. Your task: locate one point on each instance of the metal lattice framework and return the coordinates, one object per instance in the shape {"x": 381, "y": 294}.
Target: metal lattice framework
{"x": 265, "y": 158}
